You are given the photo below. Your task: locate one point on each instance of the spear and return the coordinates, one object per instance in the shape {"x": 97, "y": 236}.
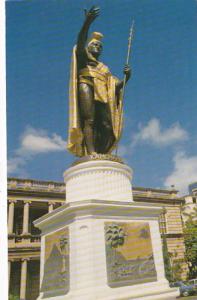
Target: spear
{"x": 131, "y": 34}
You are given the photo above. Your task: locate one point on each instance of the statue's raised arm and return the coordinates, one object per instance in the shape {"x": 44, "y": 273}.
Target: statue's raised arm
{"x": 95, "y": 96}
{"x": 90, "y": 16}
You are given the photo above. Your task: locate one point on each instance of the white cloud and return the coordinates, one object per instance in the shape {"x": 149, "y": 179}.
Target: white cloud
{"x": 33, "y": 142}
{"x": 37, "y": 141}
{"x": 14, "y": 164}
{"x": 184, "y": 172}
{"x": 154, "y": 134}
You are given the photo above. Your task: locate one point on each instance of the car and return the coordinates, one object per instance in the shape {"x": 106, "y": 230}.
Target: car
{"x": 185, "y": 288}
{"x": 193, "y": 282}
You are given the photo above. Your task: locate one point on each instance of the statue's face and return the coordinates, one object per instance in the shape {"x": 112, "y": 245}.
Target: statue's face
{"x": 95, "y": 48}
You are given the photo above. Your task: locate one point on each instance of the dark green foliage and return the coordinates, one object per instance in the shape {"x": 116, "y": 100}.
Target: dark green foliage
{"x": 190, "y": 234}
{"x": 176, "y": 268}
{"x": 166, "y": 257}
{"x": 13, "y": 297}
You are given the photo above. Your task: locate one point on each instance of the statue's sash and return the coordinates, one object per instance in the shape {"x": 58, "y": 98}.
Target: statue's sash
{"x": 75, "y": 143}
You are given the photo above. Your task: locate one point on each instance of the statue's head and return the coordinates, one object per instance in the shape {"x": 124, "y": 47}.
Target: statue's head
{"x": 95, "y": 45}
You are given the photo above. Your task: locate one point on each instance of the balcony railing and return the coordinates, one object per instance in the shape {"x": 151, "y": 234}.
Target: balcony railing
{"x": 19, "y": 238}
{"x": 35, "y": 238}
{"x": 35, "y": 185}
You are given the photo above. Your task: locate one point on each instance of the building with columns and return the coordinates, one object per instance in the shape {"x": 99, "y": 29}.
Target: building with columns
{"x": 30, "y": 199}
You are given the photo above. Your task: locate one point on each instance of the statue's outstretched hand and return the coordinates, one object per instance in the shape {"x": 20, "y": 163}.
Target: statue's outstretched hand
{"x": 92, "y": 14}
{"x": 127, "y": 72}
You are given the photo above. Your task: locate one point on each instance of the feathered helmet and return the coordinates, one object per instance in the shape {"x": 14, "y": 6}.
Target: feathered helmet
{"x": 96, "y": 36}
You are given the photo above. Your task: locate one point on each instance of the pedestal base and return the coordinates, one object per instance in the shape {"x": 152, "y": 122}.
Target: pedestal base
{"x": 99, "y": 248}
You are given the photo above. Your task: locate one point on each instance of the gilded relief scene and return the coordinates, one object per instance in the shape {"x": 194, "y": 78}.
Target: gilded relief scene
{"x": 129, "y": 254}
{"x": 56, "y": 263}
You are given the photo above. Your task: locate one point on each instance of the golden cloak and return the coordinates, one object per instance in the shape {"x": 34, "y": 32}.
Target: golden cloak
{"x": 75, "y": 143}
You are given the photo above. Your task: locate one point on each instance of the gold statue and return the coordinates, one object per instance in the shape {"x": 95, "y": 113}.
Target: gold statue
{"x": 95, "y": 96}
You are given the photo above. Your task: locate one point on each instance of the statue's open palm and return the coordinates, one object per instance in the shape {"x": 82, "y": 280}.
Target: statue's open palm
{"x": 92, "y": 14}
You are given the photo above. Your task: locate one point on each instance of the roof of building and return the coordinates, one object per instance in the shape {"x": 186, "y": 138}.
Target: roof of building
{"x": 26, "y": 185}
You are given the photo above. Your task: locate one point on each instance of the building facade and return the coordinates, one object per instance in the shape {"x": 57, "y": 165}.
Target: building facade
{"x": 171, "y": 224}
{"x": 30, "y": 199}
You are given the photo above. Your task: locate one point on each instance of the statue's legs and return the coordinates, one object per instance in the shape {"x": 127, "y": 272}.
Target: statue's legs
{"x": 87, "y": 111}
{"x": 104, "y": 130}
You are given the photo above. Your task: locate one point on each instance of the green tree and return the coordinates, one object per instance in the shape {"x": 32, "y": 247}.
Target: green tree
{"x": 177, "y": 270}
{"x": 13, "y": 297}
{"x": 176, "y": 266}
{"x": 166, "y": 258}
{"x": 190, "y": 234}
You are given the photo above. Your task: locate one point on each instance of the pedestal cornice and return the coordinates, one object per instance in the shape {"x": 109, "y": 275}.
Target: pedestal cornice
{"x": 97, "y": 209}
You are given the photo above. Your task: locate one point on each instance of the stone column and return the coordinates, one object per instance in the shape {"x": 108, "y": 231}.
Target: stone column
{"x": 23, "y": 283}
{"x": 26, "y": 217}
{"x": 11, "y": 216}
{"x": 51, "y": 206}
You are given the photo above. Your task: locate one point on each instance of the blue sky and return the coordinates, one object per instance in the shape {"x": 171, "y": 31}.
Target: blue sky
{"x": 160, "y": 133}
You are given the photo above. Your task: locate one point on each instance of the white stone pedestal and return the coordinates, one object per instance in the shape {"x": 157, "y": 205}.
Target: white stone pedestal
{"x": 98, "y": 195}
{"x": 99, "y": 179}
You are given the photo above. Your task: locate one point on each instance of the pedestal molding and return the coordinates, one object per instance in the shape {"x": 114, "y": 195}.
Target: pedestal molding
{"x": 97, "y": 166}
